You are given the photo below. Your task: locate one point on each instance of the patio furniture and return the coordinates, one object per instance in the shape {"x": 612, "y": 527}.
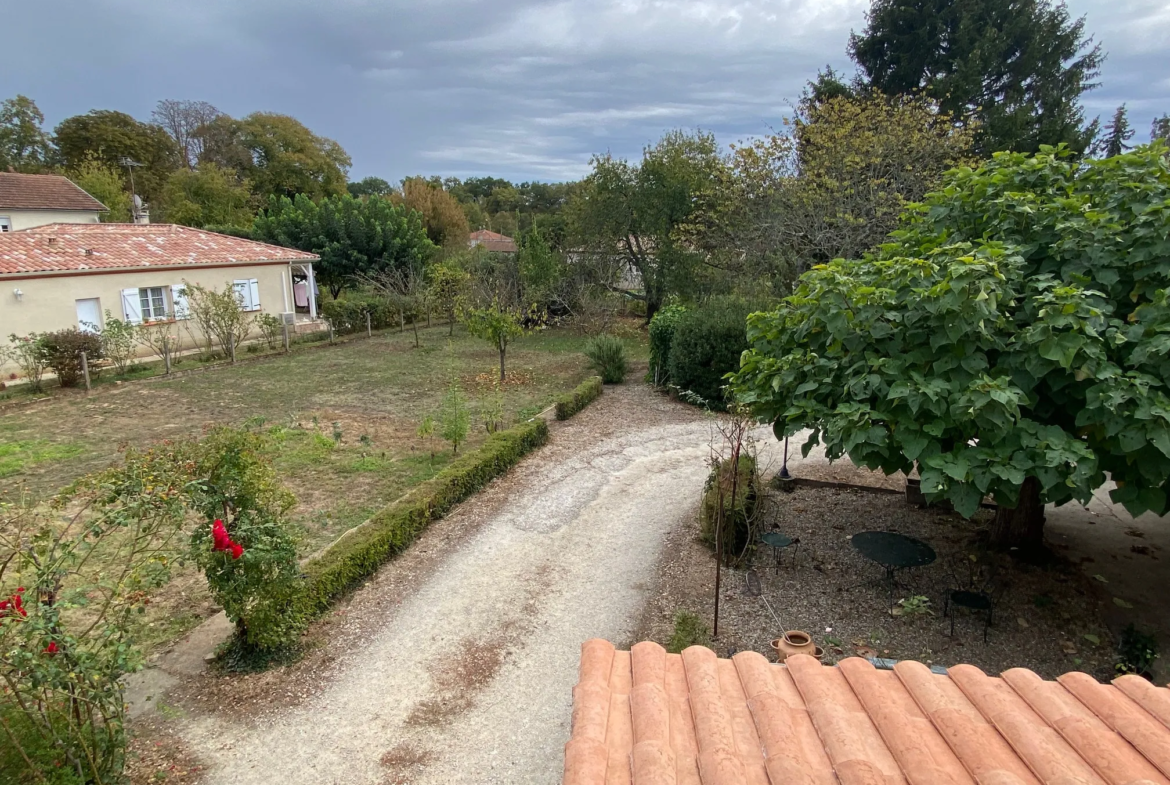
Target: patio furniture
{"x": 778, "y": 541}
{"x": 893, "y": 551}
{"x": 974, "y": 587}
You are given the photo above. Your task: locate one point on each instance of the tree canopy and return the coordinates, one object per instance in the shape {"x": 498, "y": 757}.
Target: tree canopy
{"x": 353, "y": 237}
{"x": 111, "y": 137}
{"x": 24, "y": 144}
{"x": 444, "y": 219}
{"x": 1018, "y": 66}
{"x": 206, "y": 196}
{"x": 631, "y": 212}
{"x": 287, "y": 159}
{"x": 1012, "y": 339}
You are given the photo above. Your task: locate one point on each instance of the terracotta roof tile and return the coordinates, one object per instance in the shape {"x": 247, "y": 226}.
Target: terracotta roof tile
{"x": 43, "y": 192}
{"x": 492, "y": 241}
{"x": 651, "y": 718}
{"x": 64, "y": 248}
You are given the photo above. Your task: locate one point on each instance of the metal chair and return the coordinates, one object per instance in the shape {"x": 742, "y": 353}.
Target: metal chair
{"x": 778, "y": 541}
{"x": 974, "y": 586}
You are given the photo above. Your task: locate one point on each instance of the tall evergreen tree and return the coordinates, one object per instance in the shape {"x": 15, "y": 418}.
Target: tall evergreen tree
{"x": 1118, "y": 133}
{"x": 24, "y": 144}
{"x": 1017, "y": 67}
{"x": 1160, "y": 129}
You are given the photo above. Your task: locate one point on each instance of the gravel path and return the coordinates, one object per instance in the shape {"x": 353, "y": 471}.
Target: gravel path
{"x": 468, "y": 678}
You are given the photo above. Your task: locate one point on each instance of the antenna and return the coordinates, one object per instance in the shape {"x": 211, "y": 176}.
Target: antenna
{"x": 130, "y": 165}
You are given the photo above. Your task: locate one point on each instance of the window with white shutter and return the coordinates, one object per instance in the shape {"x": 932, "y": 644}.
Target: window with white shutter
{"x": 243, "y": 293}
{"x": 254, "y": 294}
{"x": 132, "y": 306}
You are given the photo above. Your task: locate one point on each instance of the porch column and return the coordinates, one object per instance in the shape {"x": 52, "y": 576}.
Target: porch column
{"x": 312, "y": 283}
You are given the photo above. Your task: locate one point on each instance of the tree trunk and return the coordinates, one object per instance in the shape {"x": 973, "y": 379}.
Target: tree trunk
{"x": 415, "y": 325}
{"x": 1021, "y": 526}
{"x": 502, "y": 350}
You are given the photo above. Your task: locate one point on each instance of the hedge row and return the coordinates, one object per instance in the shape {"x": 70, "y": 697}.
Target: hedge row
{"x": 348, "y": 315}
{"x": 359, "y": 553}
{"x": 571, "y": 403}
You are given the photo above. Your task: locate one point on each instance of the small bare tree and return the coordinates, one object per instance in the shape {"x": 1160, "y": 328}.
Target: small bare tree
{"x": 182, "y": 119}
{"x": 406, "y": 288}
{"x": 162, "y": 338}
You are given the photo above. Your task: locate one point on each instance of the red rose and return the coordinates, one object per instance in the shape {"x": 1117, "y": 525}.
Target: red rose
{"x": 237, "y": 550}
{"x": 51, "y": 649}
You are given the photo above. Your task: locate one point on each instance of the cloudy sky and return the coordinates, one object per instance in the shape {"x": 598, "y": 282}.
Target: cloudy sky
{"x": 514, "y": 88}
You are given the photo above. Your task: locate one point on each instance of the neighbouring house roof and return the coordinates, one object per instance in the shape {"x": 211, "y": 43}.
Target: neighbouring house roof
{"x": 44, "y": 192}
{"x": 89, "y": 248}
{"x": 645, "y": 716}
{"x": 492, "y": 241}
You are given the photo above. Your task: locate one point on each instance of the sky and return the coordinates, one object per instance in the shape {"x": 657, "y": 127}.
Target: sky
{"x": 518, "y": 89}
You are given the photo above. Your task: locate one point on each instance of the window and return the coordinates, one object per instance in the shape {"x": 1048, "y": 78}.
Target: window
{"x": 248, "y": 293}
{"x": 154, "y": 304}
{"x": 5, "y": 223}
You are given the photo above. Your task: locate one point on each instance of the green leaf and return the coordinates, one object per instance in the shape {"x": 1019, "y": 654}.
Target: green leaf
{"x": 1120, "y": 603}
{"x": 1093, "y": 639}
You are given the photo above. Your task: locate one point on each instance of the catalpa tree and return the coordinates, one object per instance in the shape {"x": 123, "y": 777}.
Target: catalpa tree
{"x": 1011, "y": 340}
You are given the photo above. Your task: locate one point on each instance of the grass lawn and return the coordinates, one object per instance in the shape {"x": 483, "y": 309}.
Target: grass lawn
{"x": 344, "y": 418}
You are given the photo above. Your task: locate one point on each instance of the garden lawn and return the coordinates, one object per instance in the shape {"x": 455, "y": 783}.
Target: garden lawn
{"x": 344, "y": 419}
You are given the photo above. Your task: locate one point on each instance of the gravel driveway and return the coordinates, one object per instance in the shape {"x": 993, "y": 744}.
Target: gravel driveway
{"x": 466, "y": 675}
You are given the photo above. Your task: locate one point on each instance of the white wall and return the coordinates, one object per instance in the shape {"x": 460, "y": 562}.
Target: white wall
{"x": 27, "y": 219}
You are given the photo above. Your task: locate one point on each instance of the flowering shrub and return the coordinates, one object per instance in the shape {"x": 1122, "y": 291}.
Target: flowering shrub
{"x": 246, "y": 547}
{"x": 74, "y": 574}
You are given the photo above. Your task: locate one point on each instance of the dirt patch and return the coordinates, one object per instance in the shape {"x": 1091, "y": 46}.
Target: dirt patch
{"x": 1047, "y": 618}
{"x": 403, "y": 763}
{"x": 156, "y": 753}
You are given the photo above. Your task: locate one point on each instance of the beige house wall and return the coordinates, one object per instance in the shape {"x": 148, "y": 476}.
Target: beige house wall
{"x": 49, "y": 303}
{"x": 28, "y": 219}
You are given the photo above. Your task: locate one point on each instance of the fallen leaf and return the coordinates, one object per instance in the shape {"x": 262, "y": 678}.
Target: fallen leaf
{"x": 1093, "y": 639}
{"x": 1020, "y": 620}
{"x": 1068, "y": 647}
{"x": 1120, "y": 603}
{"x": 1101, "y": 578}
{"x": 865, "y": 651}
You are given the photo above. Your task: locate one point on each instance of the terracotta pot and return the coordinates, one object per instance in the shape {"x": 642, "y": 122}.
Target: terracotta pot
{"x": 819, "y": 653}
{"x": 793, "y": 642}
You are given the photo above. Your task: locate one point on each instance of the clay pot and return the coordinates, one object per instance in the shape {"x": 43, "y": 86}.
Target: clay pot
{"x": 819, "y": 653}
{"x": 793, "y": 642}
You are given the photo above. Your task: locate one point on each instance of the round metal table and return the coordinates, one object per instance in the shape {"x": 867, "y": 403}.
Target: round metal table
{"x": 893, "y": 551}
{"x": 778, "y": 541}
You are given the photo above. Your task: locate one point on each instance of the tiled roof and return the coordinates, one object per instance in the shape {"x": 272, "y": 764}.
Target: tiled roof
{"x": 492, "y": 241}
{"x": 58, "y": 248}
{"x": 43, "y": 192}
{"x": 646, "y": 717}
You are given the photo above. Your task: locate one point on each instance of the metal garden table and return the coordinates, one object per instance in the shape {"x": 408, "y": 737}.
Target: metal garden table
{"x": 893, "y": 551}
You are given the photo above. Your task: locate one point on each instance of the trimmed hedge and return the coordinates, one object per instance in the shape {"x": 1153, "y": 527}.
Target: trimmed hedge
{"x": 348, "y": 315}
{"x": 662, "y": 328}
{"x": 706, "y": 345}
{"x": 361, "y": 551}
{"x": 571, "y": 403}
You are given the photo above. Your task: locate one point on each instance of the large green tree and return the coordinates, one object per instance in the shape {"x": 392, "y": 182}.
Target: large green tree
{"x": 1018, "y": 66}
{"x": 354, "y": 237}
{"x": 1012, "y": 340}
{"x": 206, "y": 196}
{"x": 629, "y": 213}
{"x": 24, "y": 145}
{"x": 112, "y": 138}
{"x": 287, "y": 159}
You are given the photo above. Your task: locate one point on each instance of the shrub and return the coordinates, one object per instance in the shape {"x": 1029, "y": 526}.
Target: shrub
{"x": 66, "y": 619}
{"x": 571, "y": 403}
{"x": 118, "y": 342}
{"x": 607, "y": 356}
{"x": 220, "y": 315}
{"x": 271, "y": 328}
{"x": 348, "y": 315}
{"x": 245, "y": 544}
{"x": 706, "y": 345}
{"x": 662, "y": 328}
{"x": 25, "y": 351}
{"x": 62, "y": 352}
{"x": 738, "y": 513}
{"x": 361, "y": 551}
{"x": 689, "y": 630}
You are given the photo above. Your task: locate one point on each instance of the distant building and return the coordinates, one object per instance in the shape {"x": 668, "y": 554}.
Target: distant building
{"x": 492, "y": 241}
{"x": 31, "y": 200}
{"x": 70, "y": 275}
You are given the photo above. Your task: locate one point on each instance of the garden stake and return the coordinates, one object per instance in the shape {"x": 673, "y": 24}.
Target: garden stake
{"x": 284, "y": 328}
{"x": 369, "y": 329}
{"x": 85, "y": 369}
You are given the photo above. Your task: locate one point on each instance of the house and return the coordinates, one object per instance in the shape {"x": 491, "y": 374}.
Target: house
{"x": 30, "y": 200}
{"x": 645, "y": 716}
{"x": 492, "y": 241}
{"x": 70, "y": 275}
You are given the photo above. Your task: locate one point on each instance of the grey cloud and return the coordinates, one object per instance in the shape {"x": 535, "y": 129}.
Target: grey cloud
{"x": 515, "y": 88}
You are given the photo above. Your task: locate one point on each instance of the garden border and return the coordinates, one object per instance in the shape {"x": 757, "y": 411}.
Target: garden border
{"x": 584, "y": 394}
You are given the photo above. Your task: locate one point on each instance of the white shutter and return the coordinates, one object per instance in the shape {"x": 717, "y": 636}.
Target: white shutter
{"x": 243, "y": 293}
{"x": 131, "y": 306}
{"x": 179, "y": 301}
{"x": 254, "y": 292}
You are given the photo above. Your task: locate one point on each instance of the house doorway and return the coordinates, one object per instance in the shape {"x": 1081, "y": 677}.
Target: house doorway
{"x": 89, "y": 315}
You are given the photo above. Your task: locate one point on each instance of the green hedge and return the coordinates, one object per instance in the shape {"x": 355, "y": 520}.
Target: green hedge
{"x": 348, "y": 315}
{"x": 662, "y": 328}
{"x": 571, "y": 403}
{"x": 706, "y": 345}
{"x": 360, "y": 552}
